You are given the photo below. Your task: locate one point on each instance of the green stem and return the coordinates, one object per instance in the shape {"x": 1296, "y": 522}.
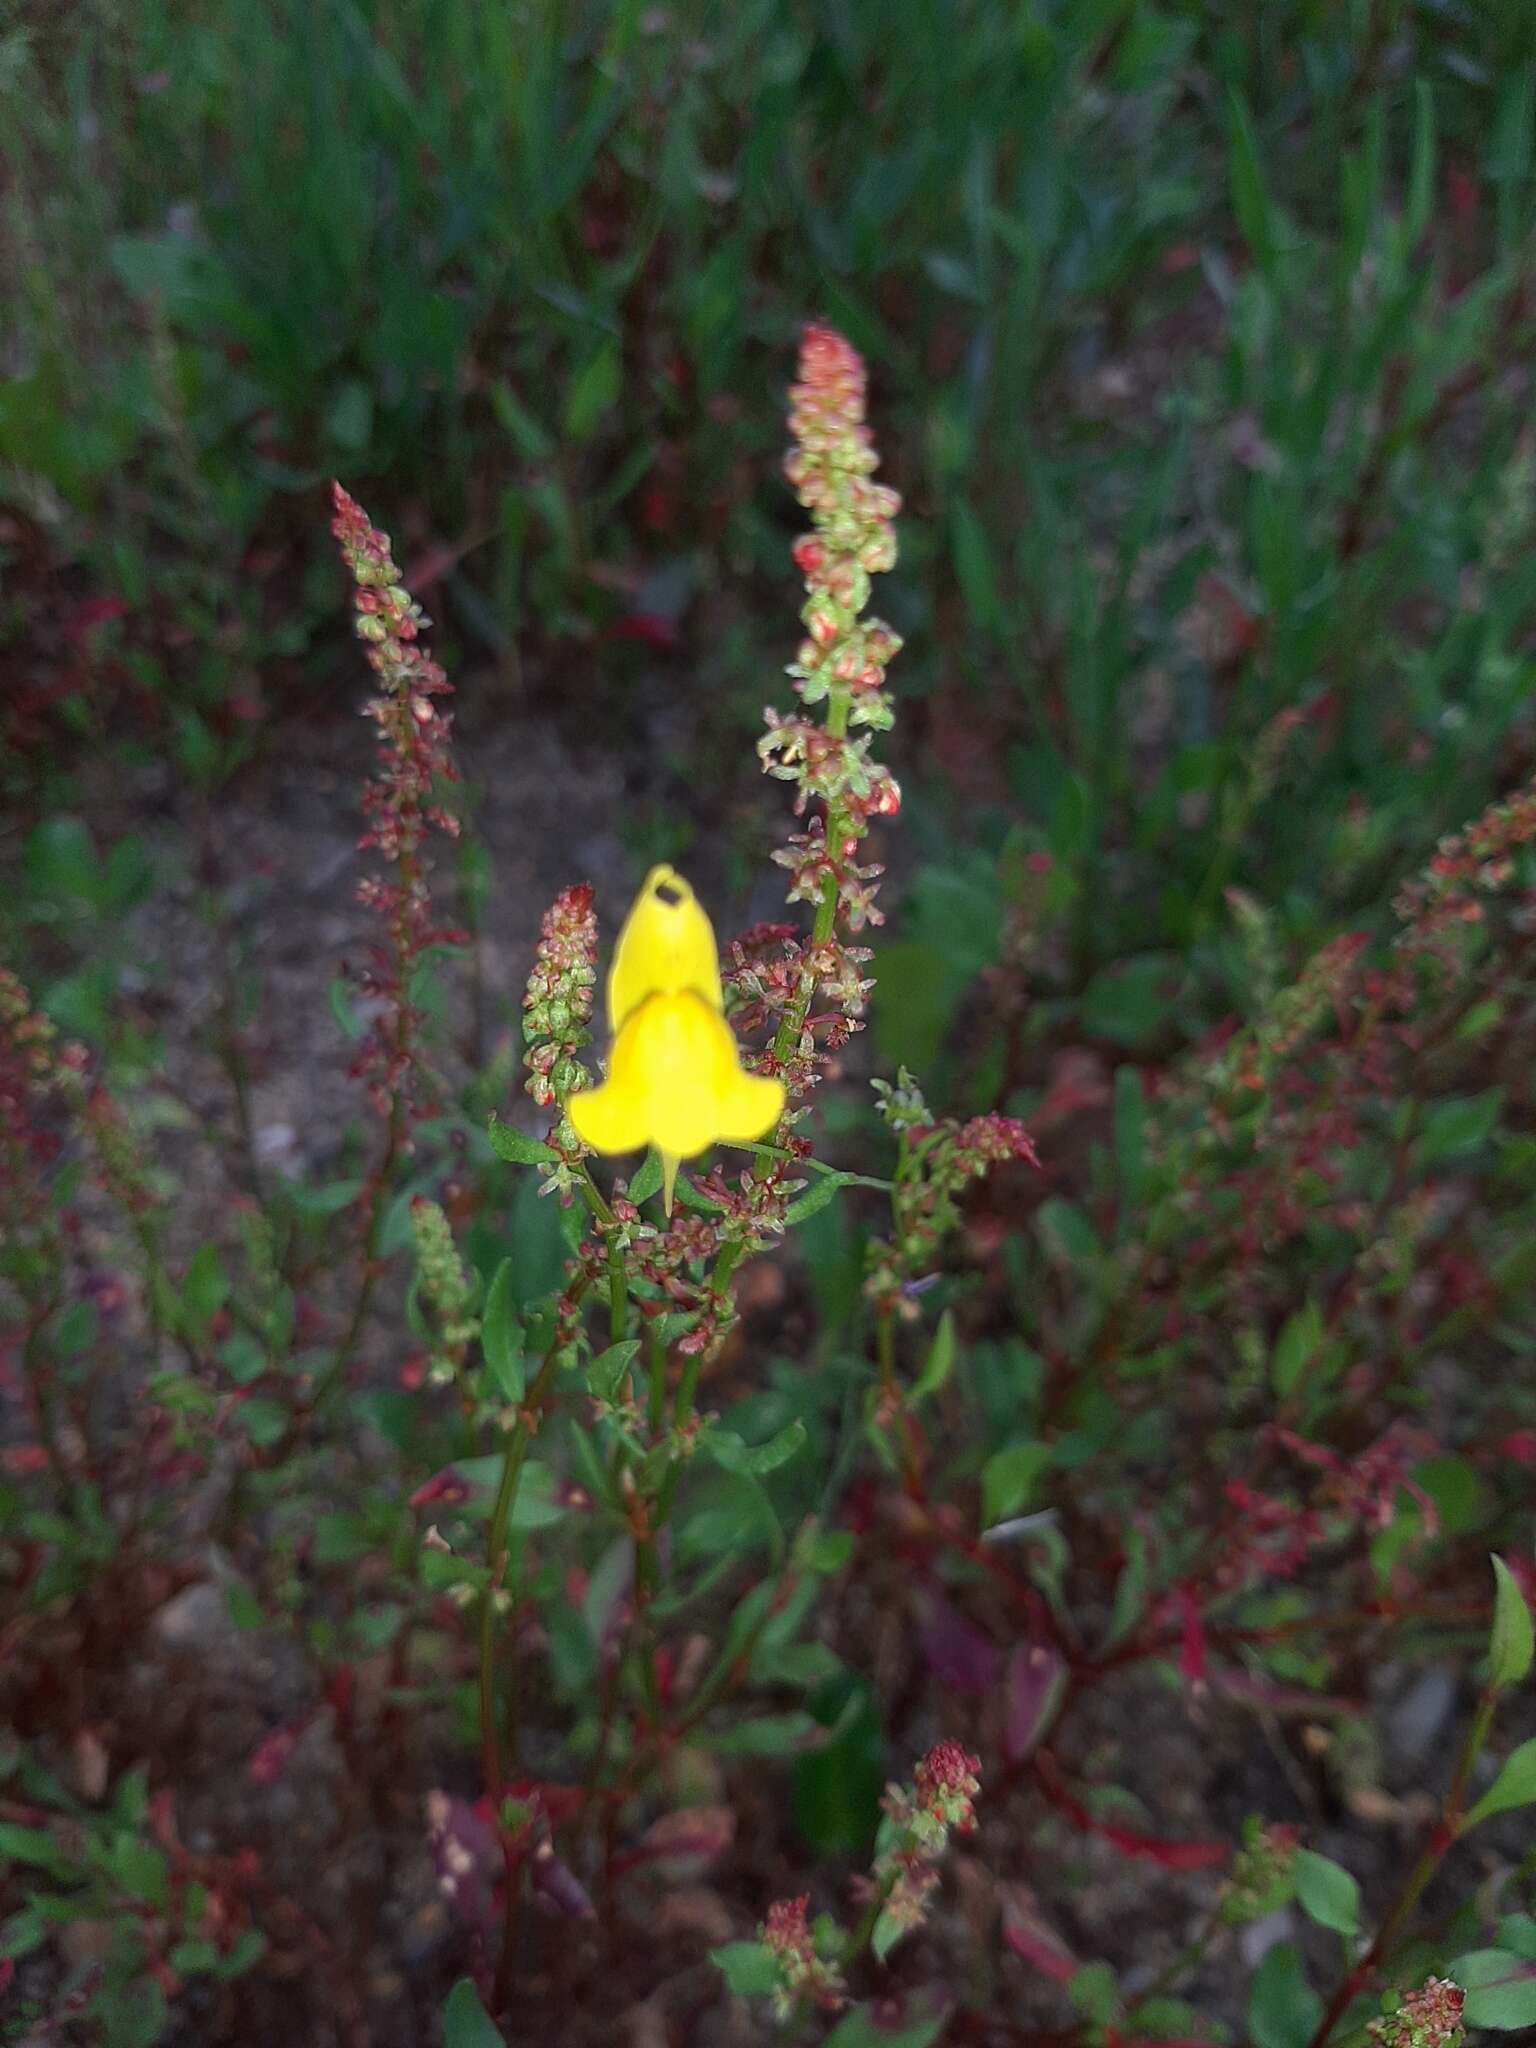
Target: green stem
{"x": 495, "y": 1557}
{"x": 657, "y": 1410}
{"x": 1433, "y": 1854}
{"x": 618, "y": 1293}
{"x": 34, "y": 1371}
{"x": 496, "y": 1550}
{"x": 792, "y": 1023}
{"x": 1186, "y": 1960}
{"x": 864, "y": 1933}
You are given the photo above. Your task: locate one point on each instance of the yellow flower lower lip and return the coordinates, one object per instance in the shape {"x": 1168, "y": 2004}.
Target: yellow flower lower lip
{"x": 675, "y": 1081}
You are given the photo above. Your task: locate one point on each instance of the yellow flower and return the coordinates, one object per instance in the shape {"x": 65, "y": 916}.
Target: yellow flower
{"x": 674, "y": 1078}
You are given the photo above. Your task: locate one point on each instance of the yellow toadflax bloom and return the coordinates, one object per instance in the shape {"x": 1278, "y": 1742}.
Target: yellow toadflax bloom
{"x": 674, "y": 1078}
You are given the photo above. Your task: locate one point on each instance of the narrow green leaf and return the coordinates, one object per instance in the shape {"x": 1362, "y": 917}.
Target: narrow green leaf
{"x": 1514, "y": 1786}
{"x": 609, "y": 1367}
{"x": 1283, "y": 2009}
{"x": 754, "y": 1460}
{"x": 501, "y": 1335}
{"x": 1251, "y": 200}
{"x": 1007, "y": 1478}
{"x": 864, "y": 2028}
{"x": 593, "y": 391}
{"x": 1511, "y": 1643}
{"x": 767, "y": 1735}
{"x": 647, "y": 1178}
{"x": 817, "y": 1197}
{"x": 1295, "y": 1348}
{"x": 1421, "y": 176}
{"x": 889, "y": 1929}
{"x": 515, "y": 1147}
{"x": 749, "y": 1969}
{"x": 205, "y": 1289}
{"x": 1095, "y": 1991}
{"x": 466, "y": 2023}
{"x": 36, "y": 1848}
{"x": 1517, "y": 1933}
{"x": 940, "y": 1362}
{"x": 1500, "y": 1988}
{"x": 1327, "y": 1893}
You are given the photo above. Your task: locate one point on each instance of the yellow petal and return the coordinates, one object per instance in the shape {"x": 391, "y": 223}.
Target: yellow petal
{"x": 667, "y": 946}
{"x": 675, "y": 1081}
{"x": 609, "y": 1118}
{"x": 749, "y": 1106}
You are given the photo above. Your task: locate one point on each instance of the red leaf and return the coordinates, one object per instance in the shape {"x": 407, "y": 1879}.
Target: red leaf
{"x": 1030, "y": 1937}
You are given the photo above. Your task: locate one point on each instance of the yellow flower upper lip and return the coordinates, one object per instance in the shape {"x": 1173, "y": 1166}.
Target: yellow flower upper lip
{"x": 667, "y": 944}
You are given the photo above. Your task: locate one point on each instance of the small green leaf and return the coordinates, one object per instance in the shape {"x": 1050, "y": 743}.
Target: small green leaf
{"x": 466, "y": 2023}
{"x": 749, "y": 1969}
{"x": 189, "y": 1958}
{"x": 889, "y": 1929}
{"x": 767, "y": 1735}
{"x": 940, "y": 1362}
{"x": 34, "y": 1847}
{"x": 247, "y": 1949}
{"x": 516, "y": 1147}
{"x": 1095, "y": 1991}
{"x": 132, "y": 2011}
{"x": 837, "y": 1784}
{"x": 1132, "y": 1001}
{"x": 647, "y": 1178}
{"x": 1511, "y": 1643}
{"x": 1500, "y": 1988}
{"x": 22, "y": 1933}
{"x": 346, "y": 1016}
{"x": 824, "y": 1550}
{"x": 1327, "y": 1893}
{"x": 1514, "y": 1786}
{"x": 341, "y": 1539}
{"x": 1461, "y": 1125}
{"x": 536, "y": 1505}
{"x": 1130, "y": 1587}
{"x": 1517, "y": 1933}
{"x": 1251, "y": 200}
{"x": 1130, "y": 1135}
{"x": 593, "y": 391}
{"x": 376, "y": 1627}
{"x": 817, "y": 1197}
{"x": 862, "y": 2028}
{"x": 140, "y": 1869}
{"x": 609, "y": 1367}
{"x": 1295, "y": 1348}
{"x": 501, "y": 1335}
{"x": 1008, "y": 1476}
{"x": 263, "y": 1419}
{"x": 1283, "y": 2009}
{"x": 1067, "y": 1234}
{"x": 754, "y": 1460}
{"x": 205, "y": 1289}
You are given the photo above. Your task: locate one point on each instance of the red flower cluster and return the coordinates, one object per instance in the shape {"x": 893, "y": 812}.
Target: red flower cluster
{"x": 1430, "y": 2017}
{"x": 401, "y": 801}
{"x": 557, "y": 1004}
{"x": 948, "y": 1155}
{"x": 841, "y": 663}
{"x": 804, "y": 1977}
